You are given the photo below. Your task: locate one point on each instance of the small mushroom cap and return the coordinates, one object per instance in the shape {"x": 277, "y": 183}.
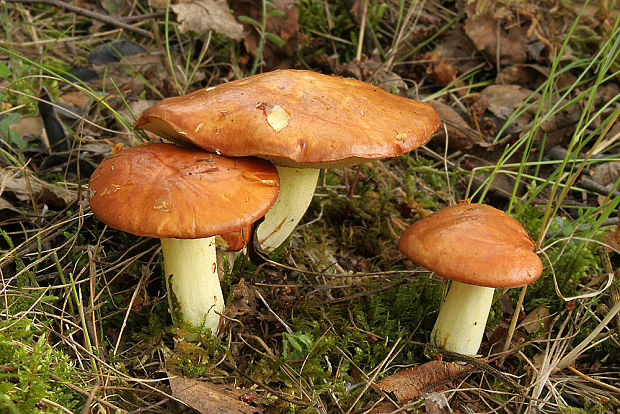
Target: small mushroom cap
{"x": 236, "y": 240}
{"x": 162, "y": 190}
{"x": 475, "y": 244}
{"x": 295, "y": 118}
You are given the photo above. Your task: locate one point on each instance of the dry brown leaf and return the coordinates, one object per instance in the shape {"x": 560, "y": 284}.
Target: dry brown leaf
{"x": 612, "y": 239}
{"x": 285, "y": 25}
{"x": 209, "y": 398}
{"x": 460, "y": 134}
{"x": 532, "y": 322}
{"x": 6, "y": 208}
{"x": 203, "y": 16}
{"x": 504, "y": 100}
{"x": 28, "y": 126}
{"x": 527, "y": 76}
{"x": 484, "y": 31}
{"x": 411, "y": 382}
{"x": 606, "y": 173}
{"x": 14, "y": 183}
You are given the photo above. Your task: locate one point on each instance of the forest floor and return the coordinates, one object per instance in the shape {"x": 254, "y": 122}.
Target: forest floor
{"x": 337, "y": 320}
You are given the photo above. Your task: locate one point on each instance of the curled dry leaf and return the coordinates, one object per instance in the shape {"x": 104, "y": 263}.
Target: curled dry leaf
{"x": 14, "y": 183}
{"x": 412, "y": 382}
{"x": 6, "y": 208}
{"x": 203, "y": 16}
{"x": 606, "y": 173}
{"x": 504, "y": 101}
{"x": 207, "y": 398}
{"x": 536, "y": 319}
{"x": 439, "y": 68}
{"x": 284, "y": 23}
{"x": 612, "y": 239}
{"x": 460, "y": 134}
{"x": 484, "y": 33}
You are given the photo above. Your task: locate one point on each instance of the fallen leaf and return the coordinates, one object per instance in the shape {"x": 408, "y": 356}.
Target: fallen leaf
{"x": 76, "y": 99}
{"x": 284, "y": 24}
{"x": 533, "y": 321}
{"x": 606, "y": 173}
{"x": 6, "y": 208}
{"x": 203, "y": 16}
{"x": 460, "y": 134}
{"x": 439, "y": 68}
{"x": 504, "y": 101}
{"x": 484, "y": 32}
{"x": 527, "y": 76}
{"x": 14, "y": 183}
{"x": 457, "y": 47}
{"x": 411, "y": 382}
{"x": 29, "y": 126}
{"x": 206, "y": 397}
{"x": 612, "y": 240}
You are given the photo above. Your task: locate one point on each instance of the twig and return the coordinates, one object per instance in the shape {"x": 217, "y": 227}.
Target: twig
{"x": 480, "y": 364}
{"x": 371, "y": 380}
{"x": 288, "y": 328}
{"x": 515, "y": 318}
{"x": 572, "y": 355}
{"x": 90, "y": 398}
{"x": 88, "y": 13}
{"x": 593, "y": 380}
{"x": 275, "y": 392}
{"x": 360, "y": 42}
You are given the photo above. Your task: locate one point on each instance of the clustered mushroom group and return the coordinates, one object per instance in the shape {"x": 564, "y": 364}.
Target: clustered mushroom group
{"x": 212, "y": 182}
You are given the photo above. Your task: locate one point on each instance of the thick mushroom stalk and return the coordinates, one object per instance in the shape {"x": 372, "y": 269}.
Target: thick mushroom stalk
{"x": 462, "y": 318}
{"x": 192, "y": 280}
{"x": 298, "y": 119}
{"x": 184, "y": 197}
{"x": 296, "y": 190}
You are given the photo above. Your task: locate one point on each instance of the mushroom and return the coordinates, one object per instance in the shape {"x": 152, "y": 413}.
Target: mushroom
{"x": 479, "y": 248}
{"x": 301, "y": 121}
{"x": 185, "y": 197}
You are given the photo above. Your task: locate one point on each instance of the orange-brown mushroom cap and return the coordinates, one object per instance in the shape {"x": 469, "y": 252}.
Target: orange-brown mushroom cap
{"x": 237, "y": 240}
{"x": 295, "y": 118}
{"x": 475, "y": 244}
{"x": 162, "y": 190}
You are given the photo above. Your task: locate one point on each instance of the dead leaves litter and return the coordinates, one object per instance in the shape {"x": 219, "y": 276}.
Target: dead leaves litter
{"x": 206, "y": 397}
{"x": 203, "y": 16}
{"x": 413, "y": 382}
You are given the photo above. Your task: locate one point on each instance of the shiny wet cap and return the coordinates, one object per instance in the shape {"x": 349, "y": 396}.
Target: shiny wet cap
{"x": 475, "y": 244}
{"x": 295, "y": 118}
{"x": 163, "y": 190}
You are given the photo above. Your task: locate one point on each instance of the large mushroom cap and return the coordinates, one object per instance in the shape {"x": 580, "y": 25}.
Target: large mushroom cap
{"x": 162, "y": 190}
{"x": 295, "y": 117}
{"x": 475, "y": 244}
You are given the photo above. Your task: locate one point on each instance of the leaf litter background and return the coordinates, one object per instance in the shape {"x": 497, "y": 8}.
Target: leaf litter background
{"x": 338, "y": 320}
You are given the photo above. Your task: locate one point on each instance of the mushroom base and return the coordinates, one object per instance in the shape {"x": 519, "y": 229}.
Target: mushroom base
{"x": 462, "y": 318}
{"x": 296, "y": 190}
{"x": 193, "y": 284}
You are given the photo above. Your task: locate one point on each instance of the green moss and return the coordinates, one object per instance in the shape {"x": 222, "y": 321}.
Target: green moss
{"x": 27, "y": 363}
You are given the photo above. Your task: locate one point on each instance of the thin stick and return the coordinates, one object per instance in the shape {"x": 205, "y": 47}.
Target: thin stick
{"x": 515, "y": 317}
{"x": 593, "y": 380}
{"x": 360, "y": 41}
{"x": 371, "y": 380}
{"x": 288, "y": 328}
{"x": 113, "y": 21}
{"x": 572, "y": 355}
